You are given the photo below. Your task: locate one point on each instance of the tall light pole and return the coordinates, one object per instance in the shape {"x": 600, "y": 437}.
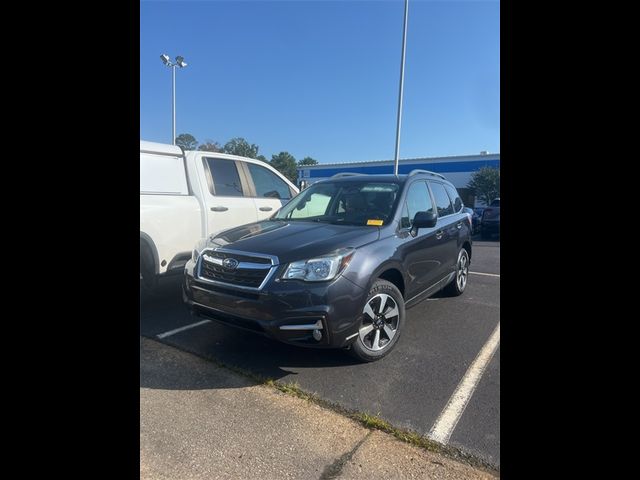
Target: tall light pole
{"x": 404, "y": 44}
{"x": 181, "y": 64}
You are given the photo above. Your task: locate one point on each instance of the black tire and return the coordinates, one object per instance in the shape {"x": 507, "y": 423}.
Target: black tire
{"x": 148, "y": 282}
{"x": 458, "y": 285}
{"x": 365, "y": 347}
{"x": 149, "y": 279}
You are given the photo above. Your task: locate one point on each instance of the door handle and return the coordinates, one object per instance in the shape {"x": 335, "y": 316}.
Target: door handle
{"x": 266, "y": 209}
{"x": 459, "y": 225}
{"x": 219, "y": 209}
{"x": 439, "y": 234}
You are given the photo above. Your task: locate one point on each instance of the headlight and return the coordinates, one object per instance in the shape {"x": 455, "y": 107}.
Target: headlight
{"x": 319, "y": 269}
{"x": 194, "y": 256}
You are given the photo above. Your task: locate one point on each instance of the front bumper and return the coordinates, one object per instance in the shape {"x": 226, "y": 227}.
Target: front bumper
{"x": 288, "y": 311}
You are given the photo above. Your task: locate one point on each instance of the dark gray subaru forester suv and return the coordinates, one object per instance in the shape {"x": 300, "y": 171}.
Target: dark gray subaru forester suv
{"x": 338, "y": 264}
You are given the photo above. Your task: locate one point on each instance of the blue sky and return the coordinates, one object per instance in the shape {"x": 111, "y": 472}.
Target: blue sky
{"x": 320, "y": 78}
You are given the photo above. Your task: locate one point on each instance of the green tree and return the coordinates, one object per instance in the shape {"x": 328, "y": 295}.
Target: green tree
{"x": 186, "y": 141}
{"x": 239, "y": 146}
{"x": 210, "y": 146}
{"x": 486, "y": 184}
{"x": 307, "y": 161}
{"x": 263, "y": 158}
{"x": 285, "y": 163}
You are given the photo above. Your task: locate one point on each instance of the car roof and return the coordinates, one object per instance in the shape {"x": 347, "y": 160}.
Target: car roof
{"x": 382, "y": 178}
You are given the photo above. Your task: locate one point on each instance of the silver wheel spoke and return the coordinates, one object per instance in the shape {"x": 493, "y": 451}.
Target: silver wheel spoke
{"x": 376, "y": 341}
{"x": 390, "y": 333}
{"x": 364, "y": 331}
{"x": 369, "y": 311}
{"x": 383, "y": 302}
{"x": 392, "y": 313}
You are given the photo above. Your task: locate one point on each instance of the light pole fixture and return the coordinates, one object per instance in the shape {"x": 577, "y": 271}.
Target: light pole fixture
{"x": 181, "y": 64}
{"x": 404, "y": 44}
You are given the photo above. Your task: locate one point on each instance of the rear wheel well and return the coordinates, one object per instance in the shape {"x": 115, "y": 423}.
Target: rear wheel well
{"x": 467, "y": 247}
{"x": 394, "y": 276}
{"x": 146, "y": 258}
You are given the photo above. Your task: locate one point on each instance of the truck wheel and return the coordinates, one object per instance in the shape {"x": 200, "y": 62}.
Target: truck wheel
{"x": 148, "y": 277}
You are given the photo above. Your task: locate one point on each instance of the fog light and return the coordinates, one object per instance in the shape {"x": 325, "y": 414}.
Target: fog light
{"x": 317, "y": 335}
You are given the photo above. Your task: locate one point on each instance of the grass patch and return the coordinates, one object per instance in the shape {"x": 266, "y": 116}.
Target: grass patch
{"x": 367, "y": 420}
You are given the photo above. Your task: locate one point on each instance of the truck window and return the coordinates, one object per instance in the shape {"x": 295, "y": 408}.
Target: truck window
{"x": 267, "y": 183}
{"x": 226, "y": 180}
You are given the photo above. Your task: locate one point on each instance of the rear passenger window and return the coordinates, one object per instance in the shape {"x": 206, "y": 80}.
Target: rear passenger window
{"x": 418, "y": 200}
{"x": 225, "y": 177}
{"x": 267, "y": 183}
{"x": 442, "y": 199}
{"x": 455, "y": 198}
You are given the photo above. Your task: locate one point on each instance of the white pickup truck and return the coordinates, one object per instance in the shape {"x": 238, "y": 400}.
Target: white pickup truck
{"x": 186, "y": 196}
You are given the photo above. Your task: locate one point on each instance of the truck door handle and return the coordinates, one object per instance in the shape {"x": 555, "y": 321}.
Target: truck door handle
{"x": 219, "y": 209}
{"x": 459, "y": 225}
{"x": 439, "y": 234}
{"x": 266, "y": 209}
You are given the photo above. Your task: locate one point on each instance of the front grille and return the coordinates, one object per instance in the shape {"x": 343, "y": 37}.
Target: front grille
{"x": 243, "y": 277}
{"x": 240, "y": 258}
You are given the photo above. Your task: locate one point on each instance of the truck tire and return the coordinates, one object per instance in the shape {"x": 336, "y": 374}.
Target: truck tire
{"x": 148, "y": 277}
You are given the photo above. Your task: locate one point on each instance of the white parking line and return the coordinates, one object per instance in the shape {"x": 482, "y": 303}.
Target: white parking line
{"x": 181, "y": 329}
{"x": 448, "y": 419}
{"x": 487, "y": 274}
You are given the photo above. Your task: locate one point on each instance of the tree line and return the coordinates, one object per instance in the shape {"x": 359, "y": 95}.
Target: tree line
{"x": 284, "y": 162}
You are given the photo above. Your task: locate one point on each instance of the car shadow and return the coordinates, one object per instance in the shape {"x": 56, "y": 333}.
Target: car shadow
{"x": 247, "y": 352}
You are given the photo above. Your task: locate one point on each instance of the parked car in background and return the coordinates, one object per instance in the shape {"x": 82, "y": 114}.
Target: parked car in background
{"x": 186, "y": 196}
{"x": 336, "y": 266}
{"x": 491, "y": 220}
{"x": 475, "y": 220}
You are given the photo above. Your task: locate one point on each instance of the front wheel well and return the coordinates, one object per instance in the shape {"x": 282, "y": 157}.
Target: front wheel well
{"x": 394, "y": 276}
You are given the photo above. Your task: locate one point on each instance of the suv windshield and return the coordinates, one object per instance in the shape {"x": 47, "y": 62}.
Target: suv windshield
{"x": 346, "y": 203}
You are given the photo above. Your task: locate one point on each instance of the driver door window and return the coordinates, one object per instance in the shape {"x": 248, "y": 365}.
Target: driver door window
{"x": 418, "y": 200}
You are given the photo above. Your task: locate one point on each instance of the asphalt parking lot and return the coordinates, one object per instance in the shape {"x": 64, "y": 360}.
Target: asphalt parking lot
{"x": 413, "y": 387}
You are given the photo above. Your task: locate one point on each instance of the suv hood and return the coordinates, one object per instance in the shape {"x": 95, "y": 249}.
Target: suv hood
{"x": 294, "y": 240}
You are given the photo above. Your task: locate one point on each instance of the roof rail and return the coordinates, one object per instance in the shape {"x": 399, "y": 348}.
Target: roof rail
{"x": 413, "y": 172}
{"x": 346, "y": 174}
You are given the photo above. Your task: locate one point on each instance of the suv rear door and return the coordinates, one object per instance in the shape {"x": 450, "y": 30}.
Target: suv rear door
{"x": 447, "y": 229}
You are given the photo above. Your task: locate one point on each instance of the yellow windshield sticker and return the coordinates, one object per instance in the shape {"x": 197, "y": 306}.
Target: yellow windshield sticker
{"x": 374, "y": 222}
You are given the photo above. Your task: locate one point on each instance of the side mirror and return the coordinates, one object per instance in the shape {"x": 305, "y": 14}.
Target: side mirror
{"x": 424, "y": 220}
{"x": 272, "y": 194}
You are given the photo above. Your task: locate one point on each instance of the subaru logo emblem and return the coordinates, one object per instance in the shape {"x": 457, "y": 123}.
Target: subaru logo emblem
{"x": 230, "y": 263}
